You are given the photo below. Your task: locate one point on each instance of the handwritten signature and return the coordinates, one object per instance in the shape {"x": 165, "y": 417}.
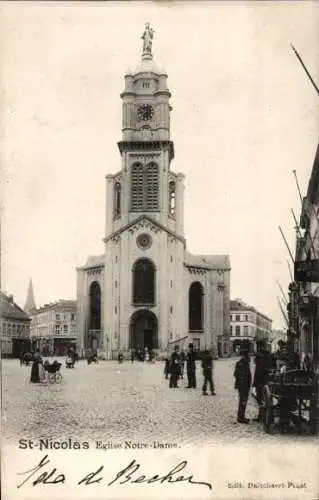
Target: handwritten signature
{"x": 41, "y": 474}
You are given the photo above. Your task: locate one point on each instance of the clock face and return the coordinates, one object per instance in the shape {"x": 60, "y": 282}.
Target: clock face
{"x": 145, "y": 112}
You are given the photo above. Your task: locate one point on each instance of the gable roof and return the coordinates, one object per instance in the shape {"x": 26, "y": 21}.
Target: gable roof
{"x": 59, "y": 305}
{"x": 239, "y": 305}
{"x": 139, "y": 219}
{"x": 11, "y": 310}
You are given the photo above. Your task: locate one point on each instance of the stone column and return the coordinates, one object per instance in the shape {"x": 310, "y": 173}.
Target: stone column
{"x": 179, "y": 201}
{"x": 109, "y": 205}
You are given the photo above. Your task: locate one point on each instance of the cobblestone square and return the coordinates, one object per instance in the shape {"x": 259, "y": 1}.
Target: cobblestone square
{"x": 111, "y": 401}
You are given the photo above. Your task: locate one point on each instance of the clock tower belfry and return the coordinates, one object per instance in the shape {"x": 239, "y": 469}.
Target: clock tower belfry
{"x": 147, "y": 291}
{"x": 145, "y": 184}
{"x": 146, "y": 107}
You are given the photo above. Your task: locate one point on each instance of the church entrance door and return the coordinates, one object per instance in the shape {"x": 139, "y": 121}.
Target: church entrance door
{"x": 143, "y": 330}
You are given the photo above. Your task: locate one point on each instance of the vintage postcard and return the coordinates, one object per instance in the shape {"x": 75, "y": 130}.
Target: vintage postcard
{"x": 160, "y": 250}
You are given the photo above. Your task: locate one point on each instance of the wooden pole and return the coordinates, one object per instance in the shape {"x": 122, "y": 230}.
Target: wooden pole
{"x": 283, "y": 312}
{"x": 304, "y": 67}
{"x": 296, "y": 222}
{"x": 298, "y": 187}
{"x": 283, "y": 295}
{"x": 291, "y": 276}
{"x": 289, "y": 251}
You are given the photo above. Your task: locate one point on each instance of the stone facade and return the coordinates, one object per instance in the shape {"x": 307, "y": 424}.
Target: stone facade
{"x": 147, "y": 290}
{"x": 53, "y": 327}
{"x": 247, "y": 325}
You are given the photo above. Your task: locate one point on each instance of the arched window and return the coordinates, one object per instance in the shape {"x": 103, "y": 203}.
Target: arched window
{"x": 143, "y": 282}
{"x": 117, "y": 200}
{"x": 152, "y": 186}
{"x": 144, "y": 187}
{"x": 137, "y": 187}
{"x": 172, "y": 197}
{"x": 95, "y": 306}
{"x": 195, "y": 307}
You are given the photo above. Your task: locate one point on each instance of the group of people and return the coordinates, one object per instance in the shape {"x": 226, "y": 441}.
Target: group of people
{"x": 146, "y": 354}
{"x": 283, "y": 359}
{"x": 174, "y": 369}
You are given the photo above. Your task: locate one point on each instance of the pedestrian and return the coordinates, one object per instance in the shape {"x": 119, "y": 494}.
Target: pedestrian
{"x": 167, "y": 364}
{"x": 132, "y": 355}
{"x": 183, "y": 358}
{"x": 263, "y": 362}
{"x": 152, "y": 356}
{"x": 174, "y": 368}
{"x": 191, "y": 367}
{"x": 207, "y": 365}
{"x": 146, "y": 354}
{"x": 37, "y": 369}
{"x": 307, "y": 362}
{"x": 242, "y": 376}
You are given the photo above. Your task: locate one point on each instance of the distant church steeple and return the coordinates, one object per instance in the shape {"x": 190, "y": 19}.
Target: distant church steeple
{"x": 30, "y": 302}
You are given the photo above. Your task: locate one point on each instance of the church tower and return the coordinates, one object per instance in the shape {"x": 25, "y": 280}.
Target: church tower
{"x": 144, "y": 234}
{"x": 147, "y": 290}
{"x": 30, "y": 302}
{"x": 145, "y": 183}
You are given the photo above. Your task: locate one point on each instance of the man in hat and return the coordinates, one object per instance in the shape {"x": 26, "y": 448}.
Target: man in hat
{"x": 191, "y": 367}
{"x": 242, "y": 376}
{"x": 207, "y": 366}
{"x": 174, "y": 368}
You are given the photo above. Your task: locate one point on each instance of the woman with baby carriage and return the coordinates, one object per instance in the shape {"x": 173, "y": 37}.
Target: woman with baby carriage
{"x": 37, "y": 369}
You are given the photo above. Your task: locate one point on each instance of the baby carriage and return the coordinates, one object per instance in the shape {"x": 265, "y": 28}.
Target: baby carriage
{"x": 53, "y": 372}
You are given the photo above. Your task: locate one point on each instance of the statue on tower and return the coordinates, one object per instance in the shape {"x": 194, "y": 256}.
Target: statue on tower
{"x": 147, "y": 37}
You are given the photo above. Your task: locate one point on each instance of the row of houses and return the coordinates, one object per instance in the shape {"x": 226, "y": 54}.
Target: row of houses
{"x": 15, "y": 327}
{"x": 303, "y": 292}
{"x": 52, "y": 328}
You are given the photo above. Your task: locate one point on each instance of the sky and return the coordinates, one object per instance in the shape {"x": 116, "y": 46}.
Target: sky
{"x": 245, "y": 115}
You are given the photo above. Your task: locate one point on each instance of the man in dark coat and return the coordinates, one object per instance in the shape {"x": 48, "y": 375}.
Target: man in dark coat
{"x": 174, "y": 368}
{"x": 242, "y": 376}
{"x": 207, "y": 365}
{"x": 264, "y": 363}
{"x": 182, "y": 358}
{"x": 191, "y": 367}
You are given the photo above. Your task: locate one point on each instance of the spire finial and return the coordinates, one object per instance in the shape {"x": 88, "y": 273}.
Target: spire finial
{"x": 148, "y": 40}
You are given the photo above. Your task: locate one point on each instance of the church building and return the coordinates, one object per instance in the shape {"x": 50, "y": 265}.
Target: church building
{"x": 147, "y": 290}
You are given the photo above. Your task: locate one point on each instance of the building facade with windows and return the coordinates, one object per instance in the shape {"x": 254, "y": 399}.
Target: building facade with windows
{"x": 247, "y": 325}
{"x": 14, "y": 327}
{"x": 147, "y": 290}
{"x": 53, "y": 327}
{"x": 303, "y": 306}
